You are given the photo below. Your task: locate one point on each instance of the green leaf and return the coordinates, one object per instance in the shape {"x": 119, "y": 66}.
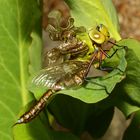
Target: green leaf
{"x": 90, "y": 13}
{"x": 133, "y": 45}
{"x": 35, "y": 49}
{"x": 79, "y": 116}
{"x": 133, "y": 131}
{"x": 71, "y": 113}
{"x": 17, "y": 20}
{"x": 127, "y": 93}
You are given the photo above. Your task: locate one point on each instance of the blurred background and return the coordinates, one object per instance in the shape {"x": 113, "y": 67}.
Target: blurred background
{"x": 129, "y": 17}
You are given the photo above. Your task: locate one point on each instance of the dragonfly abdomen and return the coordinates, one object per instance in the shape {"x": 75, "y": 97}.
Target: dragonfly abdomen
{"x": 35, "y": 110}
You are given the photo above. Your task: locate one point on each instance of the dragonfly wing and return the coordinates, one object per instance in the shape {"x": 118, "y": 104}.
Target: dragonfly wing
{"x": 66, "y": 75}
{"x": 52, "y": 57}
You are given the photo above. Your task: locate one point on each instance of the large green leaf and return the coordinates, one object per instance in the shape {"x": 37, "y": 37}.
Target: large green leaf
{"x": 89, "y": 13}
{"x": 71, "y": 113}
{"x": 17, "y": 20}
{"x": 127, "y": 93}
{"x": 79, "y": 116}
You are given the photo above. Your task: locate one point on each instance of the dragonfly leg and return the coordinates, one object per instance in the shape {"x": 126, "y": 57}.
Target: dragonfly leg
{"x": 103, "y": 52}
{"x": 106, "y": 68}
{"x": 109, "y": 69}
{"x": 115, "y": 50}
{"x": 100, "y": 64}
{"x": 110, "y": 56}
{"x": 122, "y": 46}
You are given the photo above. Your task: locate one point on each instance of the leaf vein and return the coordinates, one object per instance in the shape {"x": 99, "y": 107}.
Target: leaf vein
{"x": 7, "y": 108}
{"x": 8, "y": 72}
{"x": 8, "y": 33}
{"x": 6, "y": 135}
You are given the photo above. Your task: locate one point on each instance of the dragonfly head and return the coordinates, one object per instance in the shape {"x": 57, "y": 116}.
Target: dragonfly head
{"x": 99, "y": 34}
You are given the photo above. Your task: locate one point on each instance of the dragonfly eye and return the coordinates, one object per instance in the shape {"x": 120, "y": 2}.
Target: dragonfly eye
{"x": 99, "y": 27}
{"x": 96, "y": 36}
{"x": 103, "y": 30}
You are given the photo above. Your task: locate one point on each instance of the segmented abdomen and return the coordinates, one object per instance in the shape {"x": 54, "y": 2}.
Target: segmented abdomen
{"x": 35, "y": 110}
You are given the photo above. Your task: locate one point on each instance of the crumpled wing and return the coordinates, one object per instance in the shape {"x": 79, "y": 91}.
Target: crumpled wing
{"x": 53, "y": 57}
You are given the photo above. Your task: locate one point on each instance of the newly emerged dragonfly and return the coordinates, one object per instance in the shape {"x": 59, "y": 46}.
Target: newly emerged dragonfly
{"x": 77, "y": 56}
{"x": 79, "y": 44}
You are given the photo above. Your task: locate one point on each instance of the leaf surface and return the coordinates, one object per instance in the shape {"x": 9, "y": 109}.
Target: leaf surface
{"x": 128, "y": 97}
{"x": 16, "y": 25}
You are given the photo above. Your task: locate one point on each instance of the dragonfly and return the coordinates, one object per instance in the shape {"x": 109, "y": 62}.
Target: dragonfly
{"x": 68, "y": 65}
{"x": 75, "y": 44}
